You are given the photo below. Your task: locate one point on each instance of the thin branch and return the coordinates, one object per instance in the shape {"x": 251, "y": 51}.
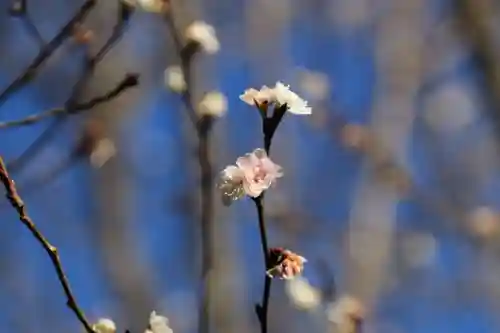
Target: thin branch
{"x": 129, "y": 81}
{"x": 33, "y": 30}
{"x": 19, "y": 9}
{"x": 269, "y": 126}
{"x": 474, "y": 21}
{"x": 203, "y": 128}
{"x": 206, "y": 220}
{"x": 32, "y": 151}
{"x": 262, "y": 309}
{"x": 17, "y": 203}
{"x": 186, "y": 62}
{"x": 31, "y": 71}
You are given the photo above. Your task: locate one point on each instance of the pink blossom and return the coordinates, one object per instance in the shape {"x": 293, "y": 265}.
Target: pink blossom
{"x": 259, "y": 172}
{"x": 231, "y": 184}
{"x": 253, "y": 174}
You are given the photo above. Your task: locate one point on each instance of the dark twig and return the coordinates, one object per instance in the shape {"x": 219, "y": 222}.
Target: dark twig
{"x": 269, "y": 126}
{"x": 206, "y": 219}
{"x": 33, "y": 31}
{"x": 474, "y": 21}
{"x": 30, "y": 26}
{"x": 31, "y": 71}
{"x": 17, "y": 203}
{"x": 262, "y": 309}
{"x": 90, "y": 64}
{"x": 129, "y": 81}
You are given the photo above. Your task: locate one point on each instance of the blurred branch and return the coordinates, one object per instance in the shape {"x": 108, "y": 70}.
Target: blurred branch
{"x": 186, "y": 64}
{"x": 130, "y": 80}
{"x": 33, "y": 31}
{"x": 51, "y": 250}
{"x": 90, "y": 63}
{"x": 203, "y": 126}
{"x": 474, "y": 21}
{"x": 372, "y": 220}
{"x": 32, "y": 70}
{"x": 19, "y": 9}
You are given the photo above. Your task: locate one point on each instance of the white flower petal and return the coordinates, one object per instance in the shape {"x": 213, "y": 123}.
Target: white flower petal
{"x": 159, "y": 324}
{"x": 154, "y": 6}
{"x": 302, "y": 293}
{"x": 280, "y": 94}
{"x": 213, "y": 104}
{"x": 104, "y": 325}
{"x": 174, "y": 79}
{"x": 103, "y": 152}
{"x": 204, "y": 34}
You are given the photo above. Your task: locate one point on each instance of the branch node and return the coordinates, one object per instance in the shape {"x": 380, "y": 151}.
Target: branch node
{"x": 53, "y": 250}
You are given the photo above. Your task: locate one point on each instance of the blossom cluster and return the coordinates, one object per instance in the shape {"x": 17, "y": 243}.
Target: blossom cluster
{"x": 255, "y": 172}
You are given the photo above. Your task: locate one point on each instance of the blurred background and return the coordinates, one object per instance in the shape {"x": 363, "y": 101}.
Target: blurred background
{"x": 391, "y": 187}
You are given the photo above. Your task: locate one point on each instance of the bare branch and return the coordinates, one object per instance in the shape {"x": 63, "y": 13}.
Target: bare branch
{"x": 31, "y": 71}
{"x": 131, "y": 80}
{"x": 18, "y": 204}
{"x": 203, "y": 126}
{"x": 32, "y": 151}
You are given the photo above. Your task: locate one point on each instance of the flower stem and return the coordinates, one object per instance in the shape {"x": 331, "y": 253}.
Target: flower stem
{"x": 206, "y": 220}
{"x": 262, "y": 309}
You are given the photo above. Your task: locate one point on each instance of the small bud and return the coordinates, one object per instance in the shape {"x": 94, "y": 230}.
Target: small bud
{"x": 158, "y": 324}
{"x": 104, "y": 150}
{"x": 130, "y": 80}
{"x": 285, "y": 264}
{"x": 153, "y": 6}
{"x": 213, "y": 104}
{"x": 347, "y": 313}
{"x": 314, "y": 85}
{"x": 104, "y": 325}
{"x": 302, "y": 293}
{"x": 204, "y": 35}
{"x": 18, "y": 8}
{"x": 355, "y": 136}
{"x": 484, "y": 222}
{"x": 174, "y": 79}
{"x": 82, "y": 35}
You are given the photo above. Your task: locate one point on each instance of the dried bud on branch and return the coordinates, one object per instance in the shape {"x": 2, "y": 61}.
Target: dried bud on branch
{"x": 284, "y": 263}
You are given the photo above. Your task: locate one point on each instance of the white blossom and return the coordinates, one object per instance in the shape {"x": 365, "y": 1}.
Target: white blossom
{"x": 344, "y": 310}
{"x": 104, "y": 325}
{"x": 158, "y": 324}
{"x": 253, "y": 174}
{"x": 153, "y": 6}
{"x": 302, "y": 293}
{"x": 174, "y": 79}
{"x": 484, "y": 222}
{"x": 284, "y": 95}
{"x": 279, "y": 95}
{"x": 102, "y": 153}
{"x": 203, "y": 34}
{"x": 264, "y": 95}
{"x": 213, "y": 104}
{"x": 314, "y": 85}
